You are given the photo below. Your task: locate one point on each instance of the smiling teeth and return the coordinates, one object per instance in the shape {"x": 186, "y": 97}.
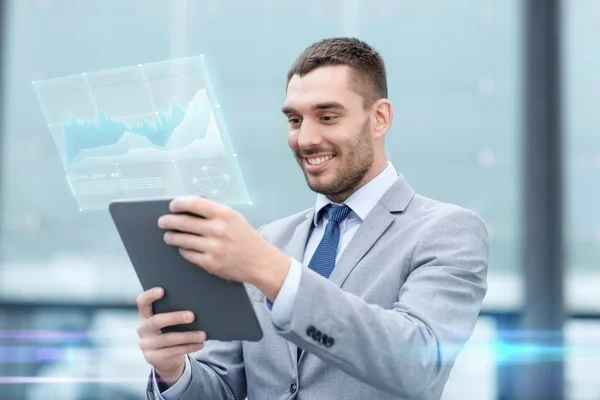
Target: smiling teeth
{"x": 317, "y": 161}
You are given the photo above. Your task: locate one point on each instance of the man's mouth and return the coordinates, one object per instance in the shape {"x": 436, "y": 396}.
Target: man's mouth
{"x": 317, "y": 163}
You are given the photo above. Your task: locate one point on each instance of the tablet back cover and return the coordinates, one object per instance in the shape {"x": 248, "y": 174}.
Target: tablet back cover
{"x": 222, "y": 308}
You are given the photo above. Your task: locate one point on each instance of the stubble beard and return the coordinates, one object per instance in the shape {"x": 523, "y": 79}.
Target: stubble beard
{"x": 350, "y": 172}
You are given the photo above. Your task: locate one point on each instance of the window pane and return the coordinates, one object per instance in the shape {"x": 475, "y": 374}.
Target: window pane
{"x": 582, "y": 153}
{"x": 582, "y": 360}
{"x": 453, "y": 78}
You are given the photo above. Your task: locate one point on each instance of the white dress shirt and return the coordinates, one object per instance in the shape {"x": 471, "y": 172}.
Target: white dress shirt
{"x": 361, "y": 203}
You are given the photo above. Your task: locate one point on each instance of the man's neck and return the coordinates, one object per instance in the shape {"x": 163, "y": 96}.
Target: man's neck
{"x": 375, "y": 170}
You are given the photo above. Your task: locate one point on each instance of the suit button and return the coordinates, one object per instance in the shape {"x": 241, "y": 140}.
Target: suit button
{"x": 293, "y": 388}
{"x": 324, "y": 339}
{"x": 311, "y": 329}
{"x": 316, "y": 335}
{"x": 329, "y": 342}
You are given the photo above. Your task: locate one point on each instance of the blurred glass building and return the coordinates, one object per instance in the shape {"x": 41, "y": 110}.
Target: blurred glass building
{"x": 457, "y": 82}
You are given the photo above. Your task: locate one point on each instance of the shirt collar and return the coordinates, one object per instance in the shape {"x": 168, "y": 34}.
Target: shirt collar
{"x": 364, "y": 199}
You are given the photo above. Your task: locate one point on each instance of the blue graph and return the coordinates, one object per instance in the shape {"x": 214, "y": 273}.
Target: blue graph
{"x": 105, "y": 131}
{"x": 142, "y": 131}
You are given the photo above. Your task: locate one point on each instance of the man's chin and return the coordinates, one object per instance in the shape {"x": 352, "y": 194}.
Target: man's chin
{"x": 320, "y": 187}
{"x": 317, "y": 187}
{"x": 319, "y": 182}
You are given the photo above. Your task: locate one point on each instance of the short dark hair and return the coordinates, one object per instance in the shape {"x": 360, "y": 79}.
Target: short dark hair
{"x": 368, "y": 78}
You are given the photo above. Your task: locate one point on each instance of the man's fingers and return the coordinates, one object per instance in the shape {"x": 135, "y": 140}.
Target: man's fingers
{"x": 200, "y": 206}
{"x": 200, "y": 259}
{"x": 187, "y": 241}
{"x": 184, "y": 223}
{"x": 155, "y": 357}
{"x": 153, "y": 325}
{"x": 172, "y": 339}
{"x": 145, "y": 300}
{"x": 159, "y": 321}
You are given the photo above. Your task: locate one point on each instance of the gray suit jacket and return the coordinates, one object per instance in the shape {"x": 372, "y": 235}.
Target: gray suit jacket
{"x": 388, "y": 324}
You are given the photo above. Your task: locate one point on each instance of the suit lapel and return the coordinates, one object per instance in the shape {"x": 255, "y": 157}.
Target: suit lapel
{"x": 297, "y": 244}
{"x": 396, "y": 199}
{"x": 369, "y": 232}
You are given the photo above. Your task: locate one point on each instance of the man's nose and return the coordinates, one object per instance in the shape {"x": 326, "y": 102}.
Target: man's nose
{"x": 309, "y": 135}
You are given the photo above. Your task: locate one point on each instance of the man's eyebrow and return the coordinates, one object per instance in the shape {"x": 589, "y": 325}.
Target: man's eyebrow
{"x": 328, "y": 105}
{"x": 288, "y": 110}
{"x": 319, "y": 106}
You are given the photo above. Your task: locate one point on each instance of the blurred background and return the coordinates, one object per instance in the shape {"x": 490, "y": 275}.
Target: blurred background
{"x": 459, "y": 76}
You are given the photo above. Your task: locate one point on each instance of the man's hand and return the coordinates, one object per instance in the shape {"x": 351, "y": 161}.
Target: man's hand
{"x": 220, "y": 240}
{"x": 165, "y": 351}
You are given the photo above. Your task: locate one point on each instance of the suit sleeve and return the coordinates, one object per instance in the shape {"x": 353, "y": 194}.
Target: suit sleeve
{"x": 176, "y": 391}
{"x": 217, "y": 373}
{"x": 409, "y": 348}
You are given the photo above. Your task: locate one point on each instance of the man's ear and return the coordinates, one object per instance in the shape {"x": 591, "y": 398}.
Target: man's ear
{"x": 382, "y": 117}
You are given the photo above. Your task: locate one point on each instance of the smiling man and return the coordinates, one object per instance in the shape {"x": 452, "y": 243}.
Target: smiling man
{"x": 370, "y": 294}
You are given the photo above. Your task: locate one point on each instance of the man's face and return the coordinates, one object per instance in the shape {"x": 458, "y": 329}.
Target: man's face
{"x": 329, "y": 131}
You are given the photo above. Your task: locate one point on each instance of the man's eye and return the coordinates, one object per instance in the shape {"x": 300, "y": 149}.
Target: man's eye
{"x": 294, "y": 121}
{"x": 328, "y": 118}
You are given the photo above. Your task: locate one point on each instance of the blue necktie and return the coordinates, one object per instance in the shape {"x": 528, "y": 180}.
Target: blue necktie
{"x": 323, "y": 260}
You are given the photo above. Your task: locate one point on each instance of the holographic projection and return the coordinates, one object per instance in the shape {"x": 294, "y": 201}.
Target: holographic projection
{"x": 151, "y": 130}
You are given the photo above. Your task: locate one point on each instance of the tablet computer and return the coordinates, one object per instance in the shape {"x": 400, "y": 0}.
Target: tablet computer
{"x": 222, "y": 308}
